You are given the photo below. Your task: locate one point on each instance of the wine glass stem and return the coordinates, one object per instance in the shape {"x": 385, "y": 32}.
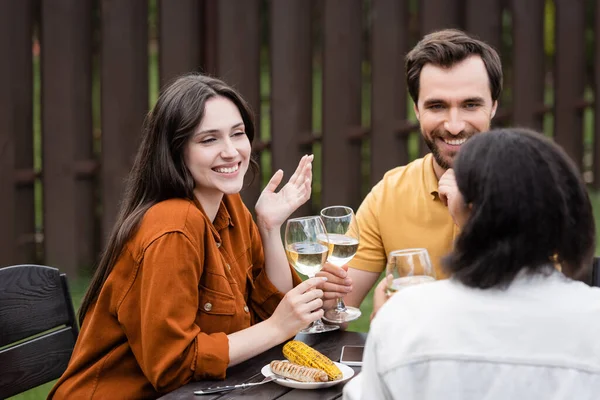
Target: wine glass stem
{"x": 317, "y": 324}
{"x": 340, "y": 306}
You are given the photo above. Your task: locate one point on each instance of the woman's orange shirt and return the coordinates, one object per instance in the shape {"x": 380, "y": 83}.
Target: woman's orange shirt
{"x": 162, "y": 317}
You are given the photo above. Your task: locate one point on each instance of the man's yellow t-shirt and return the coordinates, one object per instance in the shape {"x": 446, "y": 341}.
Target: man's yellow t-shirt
{"x": 404, "y": 211}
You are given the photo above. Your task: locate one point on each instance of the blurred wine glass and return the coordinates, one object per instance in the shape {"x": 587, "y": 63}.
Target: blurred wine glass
{"x": 408, "y": 267}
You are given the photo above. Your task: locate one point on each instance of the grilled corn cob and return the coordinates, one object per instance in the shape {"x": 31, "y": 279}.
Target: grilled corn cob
{"x": 302, "y": 354}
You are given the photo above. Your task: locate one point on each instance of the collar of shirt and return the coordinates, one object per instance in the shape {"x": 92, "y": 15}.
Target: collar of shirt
{"x": 222, "y": 219}
{"x": 430, "y": 180}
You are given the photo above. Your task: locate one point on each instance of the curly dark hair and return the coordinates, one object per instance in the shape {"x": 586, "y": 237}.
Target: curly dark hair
{"x": 529, "y": 208}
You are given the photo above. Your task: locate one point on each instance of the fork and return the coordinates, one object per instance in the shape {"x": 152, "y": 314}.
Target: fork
{"x": 219, "y": 389}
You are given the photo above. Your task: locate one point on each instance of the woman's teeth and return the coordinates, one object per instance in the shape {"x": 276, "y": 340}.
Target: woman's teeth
{"x": 227, "y": 170}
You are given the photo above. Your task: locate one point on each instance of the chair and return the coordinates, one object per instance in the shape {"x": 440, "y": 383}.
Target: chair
{"x": 34, "y": 299}
{"x": 596, "y": 272}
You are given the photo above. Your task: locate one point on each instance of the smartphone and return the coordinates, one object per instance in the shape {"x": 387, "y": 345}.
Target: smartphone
{"x": 352, "y": 355}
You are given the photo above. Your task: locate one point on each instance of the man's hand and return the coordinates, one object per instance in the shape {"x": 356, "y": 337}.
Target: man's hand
{"x": 447, "y": 186}
{"x": 338, "y": 284}
{"x": 452, "y": 198}
{"x": 380, "y": 295}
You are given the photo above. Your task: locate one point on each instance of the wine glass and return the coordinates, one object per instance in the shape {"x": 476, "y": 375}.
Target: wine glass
{"x": 408, "y": 267}
{"x": 307, "y": 255}
{"x": 342, "y": 240}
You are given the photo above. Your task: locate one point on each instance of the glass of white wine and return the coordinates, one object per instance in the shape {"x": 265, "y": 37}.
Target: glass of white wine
{"x": 408, "y": 267}
{"x": 342, "y": 240}
{"x": 307, "y": 255}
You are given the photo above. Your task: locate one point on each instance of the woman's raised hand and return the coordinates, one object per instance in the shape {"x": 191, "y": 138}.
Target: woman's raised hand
{"x": 274, "y": 208}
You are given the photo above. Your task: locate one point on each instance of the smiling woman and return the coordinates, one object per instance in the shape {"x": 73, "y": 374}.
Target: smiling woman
{"x": 218, "y": 154}
{"x": 189, "y": 284}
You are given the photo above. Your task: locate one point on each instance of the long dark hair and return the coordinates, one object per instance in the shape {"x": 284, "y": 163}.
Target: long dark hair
{"x": 530, "y": 208}
{"x": 159, "y": 171}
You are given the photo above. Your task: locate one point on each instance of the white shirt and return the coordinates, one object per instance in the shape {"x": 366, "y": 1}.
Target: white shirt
{"x": 538, "y": 339}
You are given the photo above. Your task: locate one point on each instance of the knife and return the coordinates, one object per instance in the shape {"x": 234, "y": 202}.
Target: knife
{"x": 219, "y": 389}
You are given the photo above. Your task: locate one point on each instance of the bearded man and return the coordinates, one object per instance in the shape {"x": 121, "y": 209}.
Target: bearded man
{"x": 454, "y": 81}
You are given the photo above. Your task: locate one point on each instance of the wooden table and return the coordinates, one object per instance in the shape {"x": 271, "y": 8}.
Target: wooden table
{"x": 329, "y": 343}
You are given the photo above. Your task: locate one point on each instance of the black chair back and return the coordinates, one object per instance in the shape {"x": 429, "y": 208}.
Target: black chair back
{"x": 34, "y": 299}
{"x": 596, "y": 272}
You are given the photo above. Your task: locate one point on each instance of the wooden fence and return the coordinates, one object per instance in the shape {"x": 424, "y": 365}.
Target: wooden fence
{"x": 324, "y": 76}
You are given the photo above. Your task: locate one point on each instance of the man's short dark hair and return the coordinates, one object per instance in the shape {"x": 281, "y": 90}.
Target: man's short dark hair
{"x": 446, "y": 48}
{"x": 530, "y": 208}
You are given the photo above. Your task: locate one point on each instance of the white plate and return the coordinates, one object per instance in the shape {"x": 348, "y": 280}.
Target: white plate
{"x": 346, "y": 371}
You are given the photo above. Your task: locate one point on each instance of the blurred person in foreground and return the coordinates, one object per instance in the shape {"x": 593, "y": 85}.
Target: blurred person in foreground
{"x": 455, "y": 82}
{"x": 189, "y": 284}
{"x": 508, "y": 324}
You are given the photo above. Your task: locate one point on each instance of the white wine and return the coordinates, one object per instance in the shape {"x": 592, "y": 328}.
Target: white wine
{"x": 307, "y": 258}
{"x": 404, "y": 282}
{"x": 341, "y": 247}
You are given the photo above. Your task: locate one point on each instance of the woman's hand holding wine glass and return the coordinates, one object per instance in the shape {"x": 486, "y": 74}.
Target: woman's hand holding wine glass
{"x": 300, "y": 307}
{"x": 306, "y": 253}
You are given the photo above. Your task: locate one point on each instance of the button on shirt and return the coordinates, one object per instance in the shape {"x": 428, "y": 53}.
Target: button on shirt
{"x": 180, "y": 286}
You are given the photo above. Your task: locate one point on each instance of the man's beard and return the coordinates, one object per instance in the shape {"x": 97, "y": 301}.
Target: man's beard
{"x": 430, "y": 141}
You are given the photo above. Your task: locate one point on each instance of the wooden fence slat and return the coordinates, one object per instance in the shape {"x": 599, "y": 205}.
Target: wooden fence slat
{"x": 22, "y": 86}
{"x": 596, "y": 150}
{"x": 341, "y": 183}
{"x": 484, "y": 20}
{"x": 528, "y": 63}
{"x": 124, "y": 96}
{"x": 180, "y": 37}
{"x": 291, "y": 85}
{"x": 209, "y": 33}
{"x": 440, "y": 14}
{"x": 7, "y": 140}
{"x": 569, "y": 75}
{"x": 17, "y": 239}
{"x": 238, "y": 63}
{"x": 67, "y": 131}
{"x": 389, "y": 43}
